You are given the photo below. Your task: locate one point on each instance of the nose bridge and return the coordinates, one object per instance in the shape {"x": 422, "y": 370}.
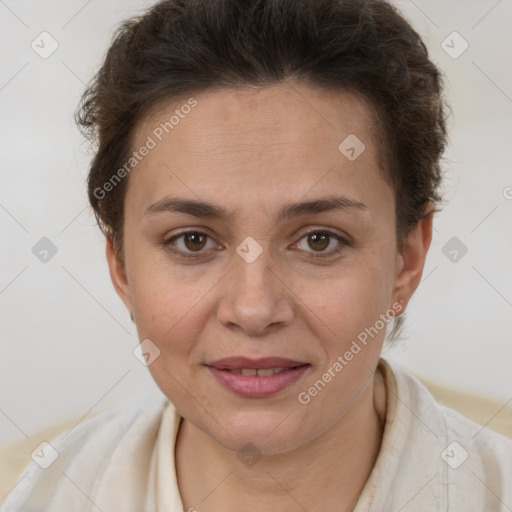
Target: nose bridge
{"x": 256, "y": 297}
{"x": 254, "y": 270}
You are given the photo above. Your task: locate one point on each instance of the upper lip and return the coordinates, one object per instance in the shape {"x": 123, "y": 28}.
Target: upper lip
{"x": 234, "y": 363}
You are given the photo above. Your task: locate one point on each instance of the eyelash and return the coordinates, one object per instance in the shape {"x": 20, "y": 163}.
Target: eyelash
{"x": 167, "y": 244}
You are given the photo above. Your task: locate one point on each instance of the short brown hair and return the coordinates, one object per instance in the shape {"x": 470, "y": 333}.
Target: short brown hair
{"x": 183, "y": 47}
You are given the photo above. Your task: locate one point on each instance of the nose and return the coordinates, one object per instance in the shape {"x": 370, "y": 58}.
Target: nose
{"x": 255, "y": 296}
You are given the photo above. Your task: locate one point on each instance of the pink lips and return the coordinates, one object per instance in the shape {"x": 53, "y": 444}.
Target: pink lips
{"x": 228, "y": 372}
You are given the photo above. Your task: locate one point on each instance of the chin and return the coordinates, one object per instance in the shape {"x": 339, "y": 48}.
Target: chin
{"x": 267, "y": 433}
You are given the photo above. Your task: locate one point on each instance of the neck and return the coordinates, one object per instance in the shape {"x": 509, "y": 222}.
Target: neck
{"x": 329, "y": 472}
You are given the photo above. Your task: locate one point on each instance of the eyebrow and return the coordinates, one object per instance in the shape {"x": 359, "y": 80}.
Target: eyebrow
{"x": 208, "y": 210}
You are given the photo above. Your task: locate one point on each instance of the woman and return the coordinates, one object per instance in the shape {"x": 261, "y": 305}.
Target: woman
{"x": 266, "y": 178}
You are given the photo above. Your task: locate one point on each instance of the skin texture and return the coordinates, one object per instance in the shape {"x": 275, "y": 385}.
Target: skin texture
{"x": 251, "y": 151}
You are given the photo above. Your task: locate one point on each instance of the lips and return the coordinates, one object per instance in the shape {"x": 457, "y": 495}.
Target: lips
{"x": 245, "y": 363}
{"x": 257, "y": 378}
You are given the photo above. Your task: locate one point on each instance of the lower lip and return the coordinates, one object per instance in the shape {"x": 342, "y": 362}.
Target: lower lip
{"x": 253, "y": 386}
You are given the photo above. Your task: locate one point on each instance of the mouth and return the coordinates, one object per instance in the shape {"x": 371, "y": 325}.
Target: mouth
{"x": 260, "y": 372}
{"x": 257, "y": 378}
{"x": 245, "y": 363}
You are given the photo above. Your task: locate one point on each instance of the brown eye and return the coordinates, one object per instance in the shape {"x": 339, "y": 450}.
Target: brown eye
{"x": 318, "y": 241}
{"x": 194, "y": 241}
{"x": 190, "y": 244}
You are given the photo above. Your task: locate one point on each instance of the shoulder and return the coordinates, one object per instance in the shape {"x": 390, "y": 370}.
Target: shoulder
{"x": 140, "y": 417}
{"x": 488, "y": 449}
{"x": 86, "y": 448}
{"x": 454, "y": 461}
{"x": 414, "y": 397}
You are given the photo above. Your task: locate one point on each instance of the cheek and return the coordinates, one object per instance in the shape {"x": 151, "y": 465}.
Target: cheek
{"x": 173, "y": 318}
{"x": 169, "y": 312}
{"x": 352, "y": 333}
{"x": 347, "y": 304}
{"x": 166, "y": 295}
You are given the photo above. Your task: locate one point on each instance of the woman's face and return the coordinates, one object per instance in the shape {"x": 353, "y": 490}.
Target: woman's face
{"x": 292, "y": 255}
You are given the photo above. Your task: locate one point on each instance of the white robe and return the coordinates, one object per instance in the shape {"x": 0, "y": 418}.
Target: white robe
{"x": 431, "y": 459}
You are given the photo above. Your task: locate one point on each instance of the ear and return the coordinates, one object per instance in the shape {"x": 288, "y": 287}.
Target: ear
{"x": 118, "y": 275}
{"x": 411, "y": 260}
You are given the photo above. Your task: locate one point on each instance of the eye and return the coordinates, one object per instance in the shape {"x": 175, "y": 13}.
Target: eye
{"x": 320, "y": 240}
{"x": 188, "y": 243}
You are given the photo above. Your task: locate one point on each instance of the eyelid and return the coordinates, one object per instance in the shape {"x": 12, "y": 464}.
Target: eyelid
{"x": 321, "y": 229}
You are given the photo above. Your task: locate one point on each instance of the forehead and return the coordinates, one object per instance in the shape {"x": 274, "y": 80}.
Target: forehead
{"x": 256, "y": 141}
{"x": 297, "y": 112}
